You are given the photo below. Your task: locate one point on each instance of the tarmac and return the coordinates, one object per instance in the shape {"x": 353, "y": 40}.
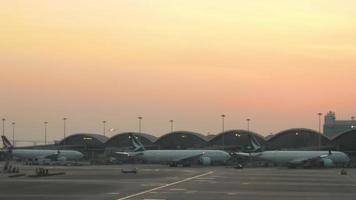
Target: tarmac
{"x": 158, "y": 182}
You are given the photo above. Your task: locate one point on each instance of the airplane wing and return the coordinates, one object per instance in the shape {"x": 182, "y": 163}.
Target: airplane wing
{"x": 188, "y": 158}
{"x": 129, "y": 154}
{"x": 123, "y": 153}
{"x": 241, "y": 154}
{"x": 51, "y": 157}
{"x": 310, "y": 159}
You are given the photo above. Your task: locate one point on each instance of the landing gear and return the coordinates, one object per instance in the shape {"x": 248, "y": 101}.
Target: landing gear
{"x": 173, "y": 164}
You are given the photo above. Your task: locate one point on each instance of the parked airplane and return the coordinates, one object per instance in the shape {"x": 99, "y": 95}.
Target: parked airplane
{"x": 176, "y": 157}
{"x": 40, "y": 156}
{"x": 298, "y": 158}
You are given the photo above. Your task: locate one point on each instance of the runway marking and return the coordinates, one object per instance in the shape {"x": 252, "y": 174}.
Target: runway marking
{"x": 207, "y": 181}
{"x": 167, "y": 185}
{"x": 177, "y": 189}
{"x": 191, "y": 191}
{"x": 207, "y": 178}
{"x": 152, "y": 184}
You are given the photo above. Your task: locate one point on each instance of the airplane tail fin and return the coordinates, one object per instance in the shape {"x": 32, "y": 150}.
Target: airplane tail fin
{"x": 7, "y": 144}
{"x": 256, "y": 146}
{"x": 138, "y": 146}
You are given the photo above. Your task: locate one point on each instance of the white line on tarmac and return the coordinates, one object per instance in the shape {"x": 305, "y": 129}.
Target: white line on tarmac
{"x": 177, "y": 189}
{"x": 167, "y": 185}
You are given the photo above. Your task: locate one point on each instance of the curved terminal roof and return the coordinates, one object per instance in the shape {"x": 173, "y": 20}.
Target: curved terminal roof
{"x": 84, "y": 139}
{"x": 344, "y": 134}
{"x": 122, "y": 140}
{"x": 345, "y": 141}
{"x": 269, "y": 136}
{"x": 236, "y": 139}
{"x": 297, "y": 138}
{"x": 181, "y": 140}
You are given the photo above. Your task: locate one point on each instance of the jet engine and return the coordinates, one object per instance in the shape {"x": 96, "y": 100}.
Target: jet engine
{"x": 205, "y": 160}
{"x": 61, "y": 158}
{"x": 44, "y": 161}
{"x": 327, "y": 162}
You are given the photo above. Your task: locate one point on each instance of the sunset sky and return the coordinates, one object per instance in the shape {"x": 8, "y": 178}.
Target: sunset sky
{"x": 278, "y": 62}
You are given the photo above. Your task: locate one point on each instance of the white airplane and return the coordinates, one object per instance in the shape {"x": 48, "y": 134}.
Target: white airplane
{"x": 40, "y": 156}
{"x": 298, "y": 158}
{"x": 176, "y": 157}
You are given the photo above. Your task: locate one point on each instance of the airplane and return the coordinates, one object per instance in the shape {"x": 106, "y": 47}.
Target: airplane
{"x": 176, "y": 157}
{"x": 40, "y": 156}
{"x": 293, "y": 159}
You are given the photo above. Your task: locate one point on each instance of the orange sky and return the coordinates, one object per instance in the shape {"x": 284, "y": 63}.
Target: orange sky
{"x": 278, "y": 62}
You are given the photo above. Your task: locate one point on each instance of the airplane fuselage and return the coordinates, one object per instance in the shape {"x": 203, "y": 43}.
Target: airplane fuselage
{"x": 32, "y": 154}
{"x": 165, "y": 156}
{"x": 290, "y": 156}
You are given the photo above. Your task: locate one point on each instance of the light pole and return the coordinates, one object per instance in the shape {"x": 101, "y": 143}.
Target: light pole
{"x": 171, "y": 121}
{"x": 64, "y": 130}
{"x": 223, "y": 128}
{"x": 223, "y": 122}
{"x": 139, "y": 124}
{"x": 3, "y": 126}
{"x": 104, "y": 128}
{"x": 45, "y": 131}
{"x": 319, "y": 136}
{"x": 13, "y": 133}
{"x": 248, "y": 124}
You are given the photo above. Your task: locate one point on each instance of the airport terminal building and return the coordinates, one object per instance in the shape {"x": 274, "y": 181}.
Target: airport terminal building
{"x": 333, "y": 127}
{"x": 338, "y": 135}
